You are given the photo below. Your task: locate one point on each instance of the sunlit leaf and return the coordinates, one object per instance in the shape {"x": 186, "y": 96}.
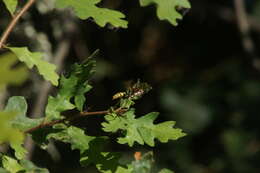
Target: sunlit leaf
{"x": 31, "y": 167}
{"x": 10, "y": 134}
{"x": 56, "y": 105}
{"x": 9, "y": 75}
{"x": 141, "y": 130}
{"x": 11, "y": 164}
{"x": 21, "y": 121}
{"x": 85, "y": 9}
{"x": 31, "y": 59}
{"x": 75, "y": 136}
{"x": 18, "y": 105}
{"x": 11, "y": 5}
{"x": 20, "y": 151}
{"x": 167, "y": 9}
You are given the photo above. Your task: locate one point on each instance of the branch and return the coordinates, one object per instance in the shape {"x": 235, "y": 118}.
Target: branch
{"x": 14, "y": 22}
{"x": 228, "y": 15}
{"x": 81, "y": 114}
{"x": 244, "y": 27}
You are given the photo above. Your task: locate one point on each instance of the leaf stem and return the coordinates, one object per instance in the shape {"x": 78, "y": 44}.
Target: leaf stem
{"x": 14, "y": 22}
{"x": 81, "y": 114}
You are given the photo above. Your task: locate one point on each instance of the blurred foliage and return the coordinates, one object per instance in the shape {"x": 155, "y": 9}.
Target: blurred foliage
{"x": 200, "y": 75}
{"x": 143, "y": 164}
{"x": 219, "y": 110}
{"x": 10, "y": 75}
{"x": 31, "y": 59}
{"x": 256, "y": 10}
{"x": 22, "y": 122}
{"x": 13, "y": 166}
{"x": 8, "y": 133}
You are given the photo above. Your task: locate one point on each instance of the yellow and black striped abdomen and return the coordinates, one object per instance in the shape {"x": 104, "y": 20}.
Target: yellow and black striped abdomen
{"x": 118, "y": 95}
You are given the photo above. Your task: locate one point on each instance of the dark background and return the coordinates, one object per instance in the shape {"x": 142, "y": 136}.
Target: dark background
{"x": 202, "y": 78}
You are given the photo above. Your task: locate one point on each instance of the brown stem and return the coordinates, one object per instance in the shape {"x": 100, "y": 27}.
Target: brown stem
{"x": 244, "y": 26}
{"x": 14, "y": 22}
{"x": 82, "y": 114}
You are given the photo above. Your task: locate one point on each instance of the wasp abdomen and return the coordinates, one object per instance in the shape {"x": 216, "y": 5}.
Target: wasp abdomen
{"x": 118, "y": 95}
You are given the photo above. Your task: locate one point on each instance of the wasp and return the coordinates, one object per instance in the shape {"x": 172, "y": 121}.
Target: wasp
{"x": 133, "y": 92}
{"x": 118, "y": 95}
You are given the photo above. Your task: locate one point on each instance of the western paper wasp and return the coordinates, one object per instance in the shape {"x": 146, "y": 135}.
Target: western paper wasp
{"x": 118, "y": 95}
{"x": 134, "y": 92}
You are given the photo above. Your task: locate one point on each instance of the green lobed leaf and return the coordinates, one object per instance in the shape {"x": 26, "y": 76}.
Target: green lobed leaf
{"x": 9, "y": 75}
{"x": 11, "y": 5}
{"x": 73, "y": 135}
{"x": 141, "y": 130}
{"x": 104, "y": 161}
{"x": 31, "y": 167}
{"x": 83, "y": 72}
{"x": 166, "y": 9}
{"x": 61, "y": 132}
{"x": 91, "y": 148}
{"x": 31, "y": 59}
{"x": 85, "y": 9}
{"x": 20, "y": 151}
{"x": 11, "y": 164}
{"x": 40, "y": 136}
{"x": 56, "y": 105}
{"x": 74, "y": 86}
{"x": 79, "y": 97}
{"x": 61, "y": 102}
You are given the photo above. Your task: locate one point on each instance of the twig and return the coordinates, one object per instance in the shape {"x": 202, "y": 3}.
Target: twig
{"x": 14, "y": 22}
{"x": 228, "y": 14}
{"x": 81, "y": 114}
{"x": 244, "y": 28}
